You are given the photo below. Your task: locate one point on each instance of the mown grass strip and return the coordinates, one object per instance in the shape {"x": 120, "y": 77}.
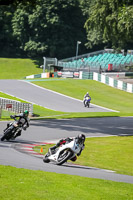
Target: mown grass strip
{"x": 30, "y": 184}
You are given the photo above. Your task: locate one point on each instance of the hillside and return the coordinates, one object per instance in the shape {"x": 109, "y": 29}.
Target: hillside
{"x": 11, "y": 68}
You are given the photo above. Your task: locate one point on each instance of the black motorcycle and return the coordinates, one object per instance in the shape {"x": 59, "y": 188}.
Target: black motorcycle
{"x": 12, "y": 129}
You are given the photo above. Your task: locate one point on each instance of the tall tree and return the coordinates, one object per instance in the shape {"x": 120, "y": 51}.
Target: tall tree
{"x": 6, "y": 38}
{"x": 49, "y": 28}
{"x": 110, "y": 22}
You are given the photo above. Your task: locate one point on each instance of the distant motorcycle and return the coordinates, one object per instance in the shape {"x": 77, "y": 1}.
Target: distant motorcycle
{"x": 63, "y": 153}
{"x": 11, "y": 131}
{"x": 87, "y": 101}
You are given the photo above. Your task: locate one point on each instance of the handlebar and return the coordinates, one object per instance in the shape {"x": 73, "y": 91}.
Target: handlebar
{"x": 12, "y": 116}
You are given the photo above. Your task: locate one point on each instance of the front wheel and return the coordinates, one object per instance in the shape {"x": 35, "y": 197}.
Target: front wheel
{"x": 6, "y": 135}
{"x": 45, "y": 159}
{"x": 88, "y": 105}
{"x": 63, "y": 157}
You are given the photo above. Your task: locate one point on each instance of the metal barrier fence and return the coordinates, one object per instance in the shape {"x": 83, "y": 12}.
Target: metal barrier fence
{"x": 15, "y": 106}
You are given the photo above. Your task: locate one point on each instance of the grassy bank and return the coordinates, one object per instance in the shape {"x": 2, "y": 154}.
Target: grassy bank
{"x": 112, "y": 153}
{"x": 18, "y": 68}
{"x": 29, "y": 184}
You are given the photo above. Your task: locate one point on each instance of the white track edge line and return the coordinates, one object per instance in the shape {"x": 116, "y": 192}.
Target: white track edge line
{"x": 68, "y": 96}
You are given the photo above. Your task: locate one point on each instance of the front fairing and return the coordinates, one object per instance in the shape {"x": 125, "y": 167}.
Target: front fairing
{"x": 72, "y": 146}
{"x": 88, "y": 99}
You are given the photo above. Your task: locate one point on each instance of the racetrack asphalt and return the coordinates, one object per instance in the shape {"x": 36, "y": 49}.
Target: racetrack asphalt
{"x": 50, "y": 130}
{"x": 46, "y": 98}
{"x": 18, "y": 153}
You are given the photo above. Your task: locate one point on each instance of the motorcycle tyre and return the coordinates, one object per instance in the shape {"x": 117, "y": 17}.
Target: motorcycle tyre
{"x": 64, "y": 159}
{"x": 6, "y": 135}
{"x": 45, "y": 159}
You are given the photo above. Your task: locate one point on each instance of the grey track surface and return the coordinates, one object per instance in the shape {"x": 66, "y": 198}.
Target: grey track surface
{"x": 45, "y": 98}
{"x": 49, "y": 130}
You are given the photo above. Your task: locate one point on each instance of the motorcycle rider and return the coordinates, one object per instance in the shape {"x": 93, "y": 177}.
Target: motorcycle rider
{"x": 80, "y": 139}
{"x": 86, "y": 95}
{"x": 22, "y": 120}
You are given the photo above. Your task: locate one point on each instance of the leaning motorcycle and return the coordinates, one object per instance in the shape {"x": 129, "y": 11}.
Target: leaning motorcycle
{"x": 63, "y": 153}
{"x": 11, "y": 131}
{"x": 87, "y": 101}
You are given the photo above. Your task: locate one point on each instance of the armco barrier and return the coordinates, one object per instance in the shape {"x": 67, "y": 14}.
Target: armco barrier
{"x": 15, "y": 106}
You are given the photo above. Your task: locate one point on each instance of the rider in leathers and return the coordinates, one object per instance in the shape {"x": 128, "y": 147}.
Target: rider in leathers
{"x": 86, "y": 95}
{"x": 80, "y": 139}
{"x": 23, "y": 120}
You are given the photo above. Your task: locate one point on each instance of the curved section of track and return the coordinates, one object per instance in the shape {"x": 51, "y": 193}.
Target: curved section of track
{"x": 12, "y": 153}
{"x": 46, "y": 98}
{"x": 17, "y": 153}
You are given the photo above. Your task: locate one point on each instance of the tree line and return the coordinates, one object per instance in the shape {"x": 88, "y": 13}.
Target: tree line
{"x": 51, "y": 28}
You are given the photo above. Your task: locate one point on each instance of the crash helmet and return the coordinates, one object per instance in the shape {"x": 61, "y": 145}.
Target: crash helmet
{"x": 26, "y": 113}
{"x": 80, "y": 138}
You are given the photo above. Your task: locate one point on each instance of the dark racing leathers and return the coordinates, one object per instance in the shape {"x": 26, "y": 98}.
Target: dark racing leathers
{"x": 22, "y": 120}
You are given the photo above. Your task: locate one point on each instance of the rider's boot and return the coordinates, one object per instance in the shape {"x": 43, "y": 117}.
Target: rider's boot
{"x": 52, "y": 150}
{"x": 18, "y": 134}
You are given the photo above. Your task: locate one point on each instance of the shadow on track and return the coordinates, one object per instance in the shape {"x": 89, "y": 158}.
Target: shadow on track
{"x": 107, "y": 125}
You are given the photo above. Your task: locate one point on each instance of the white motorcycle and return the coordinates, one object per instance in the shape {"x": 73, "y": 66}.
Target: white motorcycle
{"x": 63, "y": 153}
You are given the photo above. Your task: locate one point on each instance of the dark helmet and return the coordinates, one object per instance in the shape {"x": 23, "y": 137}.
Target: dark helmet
{"x": 26, "y": 112}
{"x": 81, "y": 138}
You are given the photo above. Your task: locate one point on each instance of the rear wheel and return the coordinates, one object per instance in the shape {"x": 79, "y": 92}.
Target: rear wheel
{"x": 63, "y": 157}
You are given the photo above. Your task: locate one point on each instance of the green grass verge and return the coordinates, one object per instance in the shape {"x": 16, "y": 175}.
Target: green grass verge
{"x": 29, "y": 184}
{"x": 112, "y": 153}
{"x": 18, "y": 68}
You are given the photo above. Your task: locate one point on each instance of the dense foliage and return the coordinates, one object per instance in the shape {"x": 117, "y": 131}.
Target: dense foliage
{"x": 36, "y": 28}
{"x": 109, "y": 22}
